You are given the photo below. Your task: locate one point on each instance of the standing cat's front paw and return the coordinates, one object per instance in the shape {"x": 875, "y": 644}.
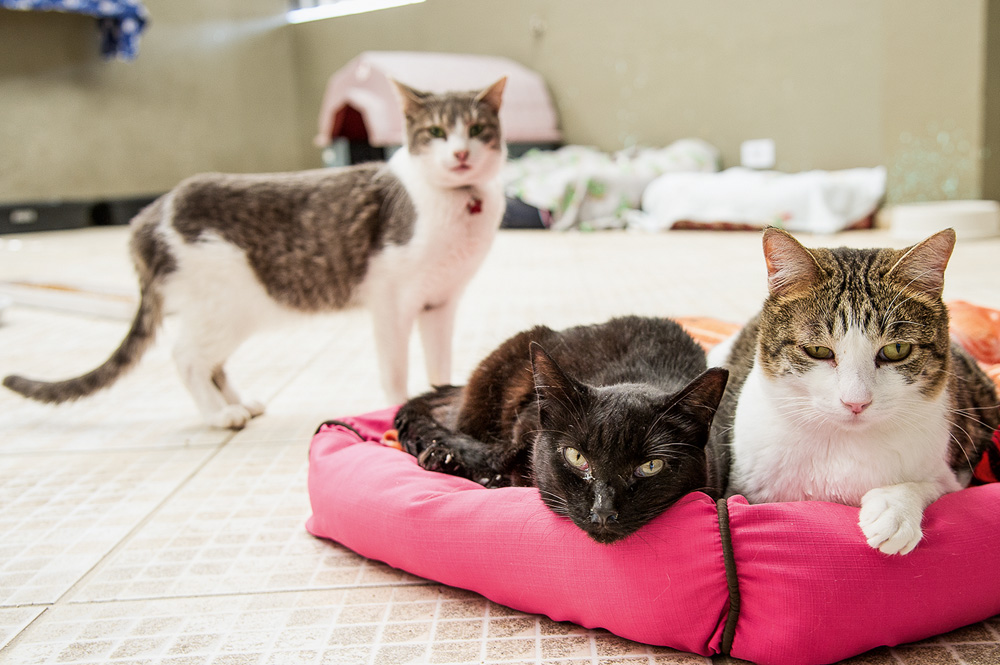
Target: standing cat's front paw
{"x": 253, "y": 407}
{"x": 439, "y": 457}
{"x": 232, "y": 416}
{"x": 891, "y": 520}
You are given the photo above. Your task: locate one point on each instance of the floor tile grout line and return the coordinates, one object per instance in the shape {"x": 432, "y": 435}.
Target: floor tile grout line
{"x": 128, "y": 449}
{"x": 63, "y": 598}
{"x": 483, "y": 651}
{"x": 236, "y": 594}
{"x": 13, "y": 638}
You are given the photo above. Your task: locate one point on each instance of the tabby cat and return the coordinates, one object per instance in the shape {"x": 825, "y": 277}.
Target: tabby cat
{"x": 611, "y": 427}
{"x": 234, "y": 253}
{"x": 846, "y": 387}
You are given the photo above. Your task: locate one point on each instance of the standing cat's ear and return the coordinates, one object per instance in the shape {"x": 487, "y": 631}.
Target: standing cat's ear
{"x": 700, "y": 399}
{"x": 922, "y": 266}
{"x": 790, "y": 266}
{"x": 557, "y": 392}
{"x": 410, "y": 98}
{"x": 493, "y": 95}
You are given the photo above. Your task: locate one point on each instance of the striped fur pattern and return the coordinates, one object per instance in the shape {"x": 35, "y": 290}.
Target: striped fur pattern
{"x": 232, "y": 254}
{"x": 847, "y": 388}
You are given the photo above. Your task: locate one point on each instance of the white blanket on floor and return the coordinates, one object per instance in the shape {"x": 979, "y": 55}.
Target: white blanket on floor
{"x": 812, "y": 201}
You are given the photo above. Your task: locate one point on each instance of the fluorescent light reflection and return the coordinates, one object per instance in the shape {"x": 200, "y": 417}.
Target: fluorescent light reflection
{"x": 344, "y": 8}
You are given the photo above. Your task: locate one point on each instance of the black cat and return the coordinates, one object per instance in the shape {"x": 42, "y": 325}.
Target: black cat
{"x": 609, "y": 421}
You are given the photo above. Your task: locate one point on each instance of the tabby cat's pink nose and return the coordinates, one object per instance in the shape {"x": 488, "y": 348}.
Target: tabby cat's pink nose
{"x": 461, "y": 155}
{"x": 856, "y": 407}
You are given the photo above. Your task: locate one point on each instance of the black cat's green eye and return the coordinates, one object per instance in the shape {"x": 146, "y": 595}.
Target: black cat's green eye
{"x": 649, "y": 468}
{"x": 576, "y": 459}
{"x": 475, "y": 130}
{"x": 818, "y": 352}
{"x": 895, "y": 352}
{"x": 436, "y": 132}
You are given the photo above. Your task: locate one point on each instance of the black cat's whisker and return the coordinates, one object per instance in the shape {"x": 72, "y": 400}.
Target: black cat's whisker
{"x": 670, "y": 447}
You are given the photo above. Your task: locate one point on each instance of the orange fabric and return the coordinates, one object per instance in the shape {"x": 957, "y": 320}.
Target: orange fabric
{"x": 707, "y": 332}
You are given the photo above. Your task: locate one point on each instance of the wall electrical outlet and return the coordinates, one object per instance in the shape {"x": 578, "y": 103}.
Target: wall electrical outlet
{"x": 757, "y": 154}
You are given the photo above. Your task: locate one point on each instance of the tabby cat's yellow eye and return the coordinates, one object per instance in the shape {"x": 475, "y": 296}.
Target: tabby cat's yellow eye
{"x": 649, "y": 468}
{"x": 576, "y": 459}
{"x": 475, "y": 130}
{"x": 895, "y": 352}
{"x": 818, "y": 352}
{"x": 436, "y": 132}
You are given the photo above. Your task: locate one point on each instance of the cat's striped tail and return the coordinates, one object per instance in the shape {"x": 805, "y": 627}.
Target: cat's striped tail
{"x": 140, "y": 336}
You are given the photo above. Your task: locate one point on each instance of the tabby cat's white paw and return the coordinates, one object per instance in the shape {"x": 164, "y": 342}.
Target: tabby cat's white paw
{"x": 891, "y": 520}
{"x": 233, "y": 416}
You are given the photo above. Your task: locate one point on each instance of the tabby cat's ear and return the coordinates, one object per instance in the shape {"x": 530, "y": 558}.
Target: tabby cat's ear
{"x": 790, "y": 266}
{"x": 922, "y": 266}
{"x": 493, "y": 95}
{"x": 411, "y": 98}
{"x": 700, "y": 399}
{"x": 558, "y": 393}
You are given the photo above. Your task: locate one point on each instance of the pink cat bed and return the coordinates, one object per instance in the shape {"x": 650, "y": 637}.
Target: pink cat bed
{"x": 775, "y": 584}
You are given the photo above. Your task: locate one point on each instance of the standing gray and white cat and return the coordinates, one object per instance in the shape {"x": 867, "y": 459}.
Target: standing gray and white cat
{"x": 847, "y": 388}
{"x": 232, "y": 254}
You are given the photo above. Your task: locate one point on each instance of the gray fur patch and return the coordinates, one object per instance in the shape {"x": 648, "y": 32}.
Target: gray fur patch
{"x": 150, "y": 253}
{"x": 308, "y": 236}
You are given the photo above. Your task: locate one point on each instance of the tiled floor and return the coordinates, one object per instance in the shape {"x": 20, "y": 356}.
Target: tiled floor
{"x": 133, "y": 534}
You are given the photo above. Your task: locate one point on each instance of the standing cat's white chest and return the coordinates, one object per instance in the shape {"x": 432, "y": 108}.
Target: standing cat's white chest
{"x": 452, "y": 233}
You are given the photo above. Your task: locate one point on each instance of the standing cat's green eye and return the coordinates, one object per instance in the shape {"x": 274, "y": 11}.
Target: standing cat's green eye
{"x": 649, "y": 468}
{"x": 576, "y": 459}
{"x": 895, "y": 352}
{"x": 818, "y": 352}
{"x": 475, "y": 130}
{"x": 436, "y": 132}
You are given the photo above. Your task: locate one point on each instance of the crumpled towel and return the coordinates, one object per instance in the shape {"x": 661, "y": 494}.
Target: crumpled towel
{"x": 588, "y": 189}
{"x": 811, "y": 201}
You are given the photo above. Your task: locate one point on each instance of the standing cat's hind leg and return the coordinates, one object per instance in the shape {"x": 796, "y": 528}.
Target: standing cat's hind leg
{"x": 221, "y": 381}
{"x": 199, "y": 366}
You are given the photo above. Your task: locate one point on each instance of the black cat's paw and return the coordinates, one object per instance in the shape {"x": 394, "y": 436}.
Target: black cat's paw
{"x": 494, "y": 481}
{"x": 441, "y": 458}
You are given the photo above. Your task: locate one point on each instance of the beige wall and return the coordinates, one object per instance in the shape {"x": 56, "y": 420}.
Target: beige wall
{"x": 934, "y": 62}
{"x": 211, "y": 90}
{"x": 224, "y": 85}
{"x": 835, "y": 84}
{"x": 991, "y": 143}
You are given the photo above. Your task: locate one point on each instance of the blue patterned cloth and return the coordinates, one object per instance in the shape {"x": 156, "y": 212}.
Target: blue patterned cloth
{"x": 120, "y": 21}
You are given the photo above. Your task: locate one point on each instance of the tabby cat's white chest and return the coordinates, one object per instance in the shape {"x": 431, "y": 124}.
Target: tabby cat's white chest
{"x": 782, "y": 453}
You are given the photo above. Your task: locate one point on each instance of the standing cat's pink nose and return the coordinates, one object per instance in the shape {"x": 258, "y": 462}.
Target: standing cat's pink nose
{"x": 461, "y": 155}
{"x": 856, "y": 407}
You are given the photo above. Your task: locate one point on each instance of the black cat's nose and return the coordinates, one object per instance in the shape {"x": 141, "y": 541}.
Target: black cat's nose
{"x": 603, "y": 515}
{"x": 603, "y": 510}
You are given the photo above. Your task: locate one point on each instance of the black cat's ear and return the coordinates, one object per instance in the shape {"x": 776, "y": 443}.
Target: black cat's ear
{"x": 699, "y": 400}
{"x": 410, "y": 98}
{"x": 557, "y": 392}
{"x": 922, "y": 266}
{"x": 493, "y": 95}
{"x": 790, "y": 266}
